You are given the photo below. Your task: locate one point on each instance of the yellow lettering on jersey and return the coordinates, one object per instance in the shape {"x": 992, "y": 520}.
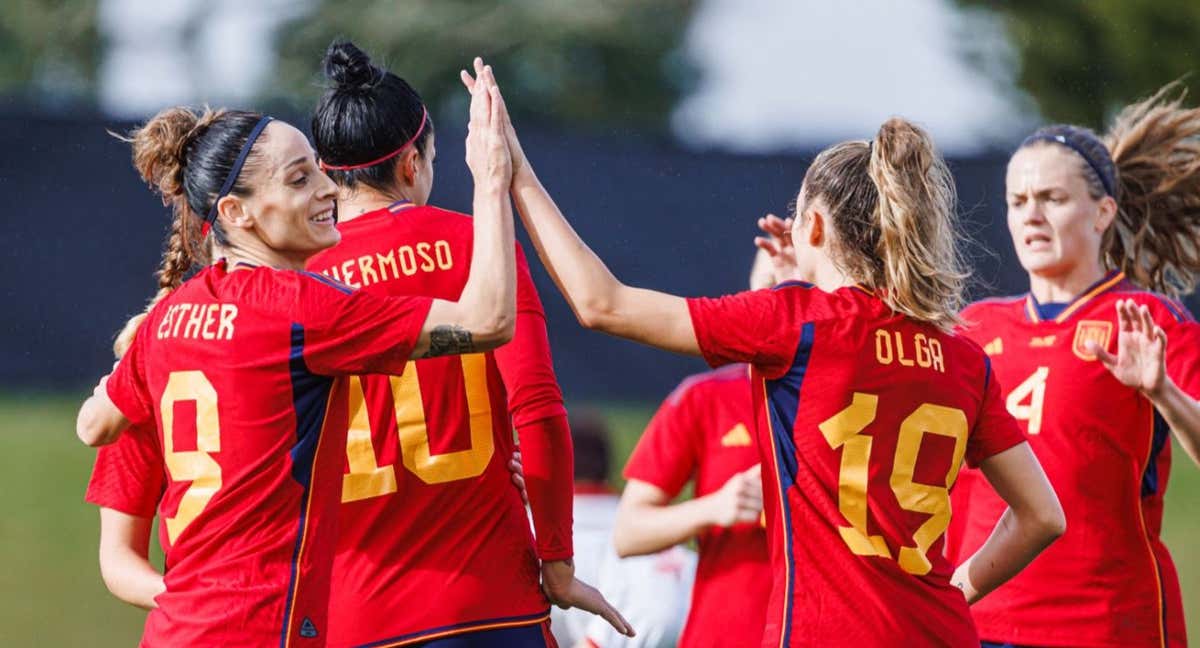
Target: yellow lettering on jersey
{"x": 405, "y": 260}
{"x": 1042, "y": 342}
{"x": 739, "y": 436}
{"x": 387, "y": 265}
{"x": 994, "y": 348}
{"x": 927, "y": 351}
{"x": 368, "y": 273}
{"x": 204, "y": 322}
{"x": 441, "y": 250}
{"x": 348, "y": 273}
{"x": 423, "y": 249}
{"x": 1086, "y": 331}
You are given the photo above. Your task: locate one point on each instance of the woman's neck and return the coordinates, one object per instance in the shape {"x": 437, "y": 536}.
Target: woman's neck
{"x": 829, "y": 277}
{"x": 259, "y": 255}
{"x": 353, "y": 203}
{"x": 1066, "y": 286}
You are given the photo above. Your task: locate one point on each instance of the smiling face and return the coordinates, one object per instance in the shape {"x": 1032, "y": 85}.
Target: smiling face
{"x": 1056, "y": 225}
{"x": 290, "y": 210}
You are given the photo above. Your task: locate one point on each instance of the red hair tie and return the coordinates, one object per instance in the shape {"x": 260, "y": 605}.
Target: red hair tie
{"x": 351, "y": 167}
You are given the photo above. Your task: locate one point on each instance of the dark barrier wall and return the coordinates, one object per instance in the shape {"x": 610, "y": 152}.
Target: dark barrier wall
{"x": 82, "y": 237}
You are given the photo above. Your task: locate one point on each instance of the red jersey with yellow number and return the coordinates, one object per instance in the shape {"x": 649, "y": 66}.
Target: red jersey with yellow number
{"x": 236, "y": 371}
{"x": 864, "y": 418}
{"x": 1108, "y": 581}
{"x": 434, "y": 537}
{"x": 704, "y": 432}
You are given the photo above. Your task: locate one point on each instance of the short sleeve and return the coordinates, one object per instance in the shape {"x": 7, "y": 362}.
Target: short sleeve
{"x": 666, "y": 455}
{"x": 344, "y": 331}
{"x": 1183, "y": 357}
{"x": 995, "y": 429}
{"x": 127, "y": 387}
{"x": 753, "y": 326}
{"x": 128, "y": 476}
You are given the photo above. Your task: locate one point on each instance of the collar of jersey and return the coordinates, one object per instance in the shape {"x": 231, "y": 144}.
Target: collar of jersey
{"x": 1100, "y": 287}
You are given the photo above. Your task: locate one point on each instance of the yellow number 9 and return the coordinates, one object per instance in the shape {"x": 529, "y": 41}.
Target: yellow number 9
{"x": 196, "y": 466}
{"x": 923, "y": 498}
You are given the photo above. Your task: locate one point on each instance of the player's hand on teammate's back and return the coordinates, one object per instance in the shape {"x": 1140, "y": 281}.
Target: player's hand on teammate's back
{"x": 487, "y": 147}
{"x": 566, "y": 591}
{"x": 1140, "y": 361}
{"x": 739, "y": 499}
{"x": 514, "y": 145}
{"x": 518, "y": 475}
{"x": 777, "y": 243}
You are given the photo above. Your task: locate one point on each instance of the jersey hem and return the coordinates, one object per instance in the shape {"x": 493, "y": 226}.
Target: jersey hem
{"x": 457, "y": 629}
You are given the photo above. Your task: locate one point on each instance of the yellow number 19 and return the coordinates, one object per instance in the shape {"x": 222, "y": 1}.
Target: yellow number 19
{"x": 844, "y": 430}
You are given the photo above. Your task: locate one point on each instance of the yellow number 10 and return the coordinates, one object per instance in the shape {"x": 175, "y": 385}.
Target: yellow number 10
{"x": 368, "y": 479}
{"x": 843, "y": 430}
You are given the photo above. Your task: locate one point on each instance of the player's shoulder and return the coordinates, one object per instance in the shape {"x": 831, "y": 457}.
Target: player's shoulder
{"x": 701, "y": 384}
{"x": 1006, "y": 305}
{"x": 1164, "y": 308}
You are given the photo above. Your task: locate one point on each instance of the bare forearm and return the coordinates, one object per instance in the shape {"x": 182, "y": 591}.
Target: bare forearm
{"x": 490, "y": 291}
{"x": 1012, "y": 545}
{"x": 645, "y": 528}
{"x": 99, "y": 421}
{"x": 131, "y": 577}
{"x": 1182, "y": 414}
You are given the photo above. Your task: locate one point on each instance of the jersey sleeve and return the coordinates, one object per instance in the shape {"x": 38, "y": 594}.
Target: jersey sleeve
{"x": 995, "y": 429}
{"x": 127, "y": 387}
{"x": 666, "y": 455}
{"x": 753, "y": 326}
{"x": 525, "y": 363}
{"x": 1183, "y": 357}
{"x": 344, "y": 331}
{"x": 128, "y": 476}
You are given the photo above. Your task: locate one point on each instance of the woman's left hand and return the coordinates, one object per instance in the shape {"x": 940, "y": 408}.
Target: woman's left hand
{"x": 1140, "y": 361}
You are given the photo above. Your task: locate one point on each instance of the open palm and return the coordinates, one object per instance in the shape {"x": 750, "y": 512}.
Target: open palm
{"x": 1141, "y": 349}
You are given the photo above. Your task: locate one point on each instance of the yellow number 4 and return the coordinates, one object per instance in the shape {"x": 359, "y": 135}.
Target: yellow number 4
{"x": 1033, "y": 388}
{"x": 844, "y": 430}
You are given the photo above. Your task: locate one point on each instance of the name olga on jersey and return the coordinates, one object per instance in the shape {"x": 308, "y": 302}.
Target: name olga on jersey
{"x": 198, "y": 321}
{"x": 407, "y": 260}
{"x": 920, "y": 351}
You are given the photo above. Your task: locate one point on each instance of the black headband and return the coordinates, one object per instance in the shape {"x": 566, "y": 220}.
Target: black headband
{"x": 235, "y": 170}
{"x": 1070, "y": 139}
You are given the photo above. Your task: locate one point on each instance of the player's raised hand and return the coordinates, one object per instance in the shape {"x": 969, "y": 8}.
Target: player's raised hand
{"x": 519, "y": 162}
{"x": 487, "y": 147}
{"x": 1140, "y": 361}
{"x": 566, "y": 591}
{"x": 777, "y": 243}
{"x": 739, "y": 499}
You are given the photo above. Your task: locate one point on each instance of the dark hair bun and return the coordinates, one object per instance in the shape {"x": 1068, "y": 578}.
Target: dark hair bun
{"x": 349, "y": 67}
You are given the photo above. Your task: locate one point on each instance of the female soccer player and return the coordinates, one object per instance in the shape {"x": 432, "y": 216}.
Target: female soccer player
{"x": 236, "y": 366}
{"x": 866, "y": 402}
{"x": 1098, "y": 369}
{"x": 702, "y": 432}
{"x": 427, "y": 504}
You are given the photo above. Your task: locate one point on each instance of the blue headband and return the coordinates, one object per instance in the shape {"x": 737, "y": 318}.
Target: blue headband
{"x": 235, "y": 171}
{"x": 1069, "y": 140}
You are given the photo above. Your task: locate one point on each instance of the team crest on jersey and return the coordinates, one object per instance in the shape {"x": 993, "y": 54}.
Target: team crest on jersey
{"x": 1086, "y": 331}
{"x": 739, "y": 436}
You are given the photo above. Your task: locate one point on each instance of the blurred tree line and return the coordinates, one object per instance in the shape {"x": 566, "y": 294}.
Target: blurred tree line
{"x": 49, "y": 49}
{"x": 1081, "y": 62}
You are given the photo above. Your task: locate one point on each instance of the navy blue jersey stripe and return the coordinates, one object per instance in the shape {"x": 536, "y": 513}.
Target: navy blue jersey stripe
{"x": 1162, "y": 432}
{"x": 792, "y": 283}
{"x": 528, "y": 619}
{"x": 329, "y": 282}
{"x": 783, "y": 395}
{"x": 310, "y": 395}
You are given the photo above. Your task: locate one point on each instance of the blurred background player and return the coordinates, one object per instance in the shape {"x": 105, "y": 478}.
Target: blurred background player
{"x": 259, "y": 408}
{"x": 1099, "y": 366}
{"x": 427, "y": 504}
{"x": 652, "y": 589}
{"x": 875, "y": 233}
{"x": 703, "y": 433}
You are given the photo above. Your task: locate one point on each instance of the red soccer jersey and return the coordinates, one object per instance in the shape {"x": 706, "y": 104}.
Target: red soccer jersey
{"x": 703, "y": 431}
{"x": 434, "y": 538}
{"x": 1109, "y": 580}
{"x": 129, "y": 475}
{"x": 864, "y": 418}
{"x": 235, "y": 369}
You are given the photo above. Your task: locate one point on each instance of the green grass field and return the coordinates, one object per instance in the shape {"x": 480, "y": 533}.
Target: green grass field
{"x": 50, "y": 588}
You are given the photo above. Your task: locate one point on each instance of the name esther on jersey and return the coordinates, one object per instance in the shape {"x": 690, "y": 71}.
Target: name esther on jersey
{"x": 198, "y": 321}
{"x": 921, "y": 351}
{"x": 408, "y": 260}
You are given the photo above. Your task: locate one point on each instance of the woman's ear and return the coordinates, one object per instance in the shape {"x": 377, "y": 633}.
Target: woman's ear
{"x": 1106, "y": 214}
{"x": 407, "y": 167}
{"x": 232, "y": 212}
{"x": 815, "y": 222}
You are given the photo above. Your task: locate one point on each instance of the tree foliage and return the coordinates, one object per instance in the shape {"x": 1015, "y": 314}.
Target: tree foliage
{"x": 49, "y": 49}
{"x": 1082, "y": 61}
{"x": 573, "y": 62}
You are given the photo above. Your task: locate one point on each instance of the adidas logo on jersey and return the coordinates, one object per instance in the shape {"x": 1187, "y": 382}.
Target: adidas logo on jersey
{"x": 995, "y": 347}
{"x": 739, "y": 436}
{"x": 1045, "y": 341}
{"x": 307, "y": 629}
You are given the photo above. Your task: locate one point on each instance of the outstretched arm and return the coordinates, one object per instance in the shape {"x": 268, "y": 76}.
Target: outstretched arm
{"x": 1141, "y": 363}
{"x": 647, "y": 522}
{"x": 600, "y": 301}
